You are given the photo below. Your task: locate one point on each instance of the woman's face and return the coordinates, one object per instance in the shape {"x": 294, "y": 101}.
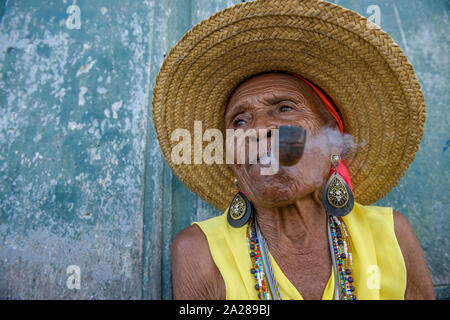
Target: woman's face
{"x": 266, "y": 102}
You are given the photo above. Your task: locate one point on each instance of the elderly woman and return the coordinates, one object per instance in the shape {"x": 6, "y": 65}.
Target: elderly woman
{"x": 306, "y": 231}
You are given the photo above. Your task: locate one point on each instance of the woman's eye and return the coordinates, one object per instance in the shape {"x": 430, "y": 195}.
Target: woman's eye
{"x": 285, "y": 108}
{"x": 238, "y": 122}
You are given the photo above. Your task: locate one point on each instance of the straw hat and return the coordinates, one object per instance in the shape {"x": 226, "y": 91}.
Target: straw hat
{"x": 358, "y": 65}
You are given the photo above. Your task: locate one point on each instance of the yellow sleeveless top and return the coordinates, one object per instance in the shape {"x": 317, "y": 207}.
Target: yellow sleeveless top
{"x": 379, "y": 271}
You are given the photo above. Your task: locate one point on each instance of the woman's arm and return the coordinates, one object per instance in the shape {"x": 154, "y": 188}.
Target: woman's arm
{"x": 419, "y": 284}
{"x": 194, "y": 274}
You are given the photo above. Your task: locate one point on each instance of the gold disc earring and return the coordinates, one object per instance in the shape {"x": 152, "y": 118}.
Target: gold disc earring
{"x": 240, "y": 209}
{"x": 337, "y": 197}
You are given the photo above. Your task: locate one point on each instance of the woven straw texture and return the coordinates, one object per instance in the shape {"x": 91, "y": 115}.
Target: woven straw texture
{"x": 356, "y": 63}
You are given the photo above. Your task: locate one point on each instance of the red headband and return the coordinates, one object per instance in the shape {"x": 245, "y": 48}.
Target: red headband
{"x": 325, "y": 99}
{"x": 341, "y": 168}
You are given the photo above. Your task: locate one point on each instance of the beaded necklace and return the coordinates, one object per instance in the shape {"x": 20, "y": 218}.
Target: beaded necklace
{"x": 341, "y": 254}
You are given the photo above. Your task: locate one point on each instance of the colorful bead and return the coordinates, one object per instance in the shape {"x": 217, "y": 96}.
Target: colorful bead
{"x": 257, "y": 269}
{"x": 341, "y": 248}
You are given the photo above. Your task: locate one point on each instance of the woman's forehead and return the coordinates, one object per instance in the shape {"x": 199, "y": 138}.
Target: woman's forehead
{"x": 271, "y": 85}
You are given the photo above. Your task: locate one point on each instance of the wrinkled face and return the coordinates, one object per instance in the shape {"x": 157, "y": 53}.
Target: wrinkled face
{"x": 268, "y": 101}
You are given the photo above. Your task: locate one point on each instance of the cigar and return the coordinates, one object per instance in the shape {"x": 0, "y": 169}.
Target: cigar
{"x": 292, "y": 141}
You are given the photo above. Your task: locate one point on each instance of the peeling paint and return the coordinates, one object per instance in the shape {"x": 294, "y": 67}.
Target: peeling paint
{"x": 81, "y": 100}
{"x": 115, "y": 107}
{"x": 86, "y": 68}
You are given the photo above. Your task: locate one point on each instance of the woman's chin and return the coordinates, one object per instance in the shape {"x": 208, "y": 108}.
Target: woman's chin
{"x": 281, "y": 188}
{"x": 273, "y": 191}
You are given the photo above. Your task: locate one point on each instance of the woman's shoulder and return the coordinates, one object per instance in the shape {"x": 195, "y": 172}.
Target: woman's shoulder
{"x": 372, "y": 217}
{"x": 212, "y": 225}
{"x": 386, "y": 219}
{"x": 198, "y": 235}
{"x": 194, "y": 273}
{"x": 372, "y": 210}
{"x": 420, "y": 284}
{"x": 386, "y": 215}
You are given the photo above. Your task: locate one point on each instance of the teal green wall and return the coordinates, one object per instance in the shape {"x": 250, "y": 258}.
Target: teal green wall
{"x": 82, "y": 179}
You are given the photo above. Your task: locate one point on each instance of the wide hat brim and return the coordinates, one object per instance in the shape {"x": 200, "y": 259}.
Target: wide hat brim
{"x": 358, "y": 65}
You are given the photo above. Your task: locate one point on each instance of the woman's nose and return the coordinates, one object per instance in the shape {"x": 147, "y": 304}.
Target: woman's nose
{"x": 264, "y": 126}
{"x": 263, "y": 132}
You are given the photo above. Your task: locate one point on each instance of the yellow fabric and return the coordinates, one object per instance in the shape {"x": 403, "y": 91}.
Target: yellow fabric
{"x": 378, "y": 267}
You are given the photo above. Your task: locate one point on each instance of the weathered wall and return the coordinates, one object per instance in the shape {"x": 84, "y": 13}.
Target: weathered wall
{"x": 82, "y": 179}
